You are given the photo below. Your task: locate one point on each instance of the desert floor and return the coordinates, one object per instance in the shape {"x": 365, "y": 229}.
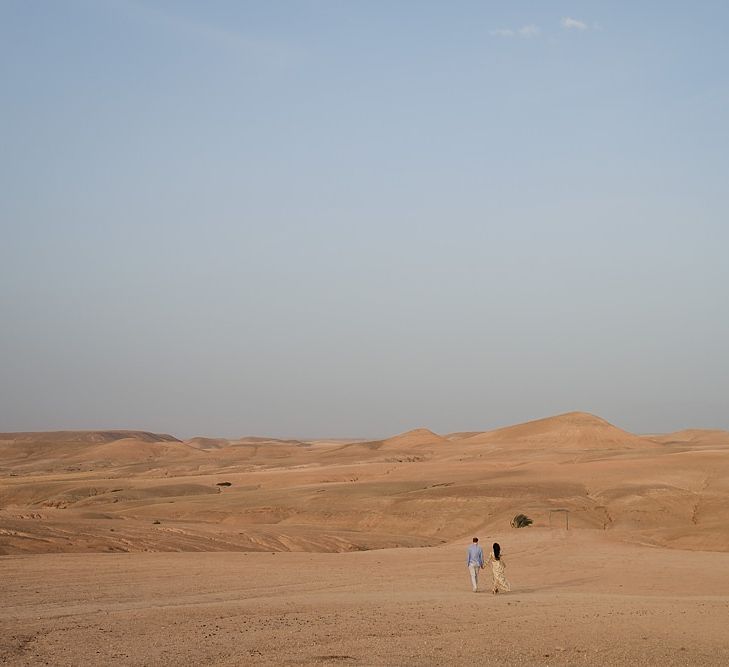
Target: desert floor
{"x": 141, "y": 549}
{"x": 578, "y": 599}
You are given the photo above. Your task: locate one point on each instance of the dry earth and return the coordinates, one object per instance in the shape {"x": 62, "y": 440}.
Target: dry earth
{"x": 141, "y": 549}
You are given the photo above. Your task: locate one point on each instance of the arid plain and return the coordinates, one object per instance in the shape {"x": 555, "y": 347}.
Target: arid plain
{"x": 143, "y": 549}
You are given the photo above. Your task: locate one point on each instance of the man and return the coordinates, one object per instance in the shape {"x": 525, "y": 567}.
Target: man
{"x": 475, "y": 562}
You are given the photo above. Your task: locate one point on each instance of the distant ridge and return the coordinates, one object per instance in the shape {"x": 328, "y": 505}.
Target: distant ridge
{"x": 207, "y": 443}
{"x": 572, "y": 430}
{"x": 695, "y": 436}
{"x": 417, "y": 436}
{"x": 108, "y": 447}
{"x": 409, "y": 440}
{"x": 91, "y": 437}
{"x": 462, "y": 435}
{"x": 258, "y": 439}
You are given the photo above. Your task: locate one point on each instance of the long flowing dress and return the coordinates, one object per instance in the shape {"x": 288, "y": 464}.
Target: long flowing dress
{"x": 497, "y": 569}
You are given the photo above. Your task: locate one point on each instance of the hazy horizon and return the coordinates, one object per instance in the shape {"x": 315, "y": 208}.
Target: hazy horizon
{"x": 320, "y": 219}
{"x": 332, "y": 436}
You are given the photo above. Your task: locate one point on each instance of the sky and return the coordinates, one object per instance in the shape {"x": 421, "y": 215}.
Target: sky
{"x": 323, "y": 218}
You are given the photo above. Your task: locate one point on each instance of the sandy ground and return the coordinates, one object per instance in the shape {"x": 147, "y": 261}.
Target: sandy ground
{"x": 579, "y": 598}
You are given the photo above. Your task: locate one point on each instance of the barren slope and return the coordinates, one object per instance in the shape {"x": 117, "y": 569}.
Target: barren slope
{"x": 134, "y": 491}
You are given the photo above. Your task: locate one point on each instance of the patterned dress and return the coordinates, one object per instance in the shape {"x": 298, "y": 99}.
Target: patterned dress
{"x": 497, "y": 569}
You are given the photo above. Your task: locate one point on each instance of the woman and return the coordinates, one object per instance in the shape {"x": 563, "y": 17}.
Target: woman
{"x": 497, "y": 569}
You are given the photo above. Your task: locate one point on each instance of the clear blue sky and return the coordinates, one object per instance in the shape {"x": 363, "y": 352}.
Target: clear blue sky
{"x": 353, "y": 218}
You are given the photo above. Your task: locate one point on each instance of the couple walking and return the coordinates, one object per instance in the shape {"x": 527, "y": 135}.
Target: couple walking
{"x": 475, "y": 563}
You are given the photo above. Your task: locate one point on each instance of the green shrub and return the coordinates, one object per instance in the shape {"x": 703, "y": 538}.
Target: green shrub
{"x": 521, "y": 521}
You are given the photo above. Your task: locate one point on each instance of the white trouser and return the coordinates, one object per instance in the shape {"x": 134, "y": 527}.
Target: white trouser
{"x": 474, "y": 575}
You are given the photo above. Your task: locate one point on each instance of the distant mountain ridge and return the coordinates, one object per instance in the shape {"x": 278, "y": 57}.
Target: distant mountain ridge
{"x": 580, "y": 430}
{"x": 92, "y": 437}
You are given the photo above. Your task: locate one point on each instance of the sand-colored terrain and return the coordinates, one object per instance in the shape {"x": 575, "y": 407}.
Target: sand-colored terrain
{"x": 145, "y": 549}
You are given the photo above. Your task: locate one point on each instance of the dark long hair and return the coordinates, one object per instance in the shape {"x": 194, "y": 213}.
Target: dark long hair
{"x": 497, "y": 551}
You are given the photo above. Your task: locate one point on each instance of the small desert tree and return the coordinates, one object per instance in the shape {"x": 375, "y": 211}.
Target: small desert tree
{"x": 521, "y": 521}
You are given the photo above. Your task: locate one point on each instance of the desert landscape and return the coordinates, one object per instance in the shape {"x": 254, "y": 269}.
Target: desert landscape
{"x": 299, "y": 298}
{"x": 142, "y": 548}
